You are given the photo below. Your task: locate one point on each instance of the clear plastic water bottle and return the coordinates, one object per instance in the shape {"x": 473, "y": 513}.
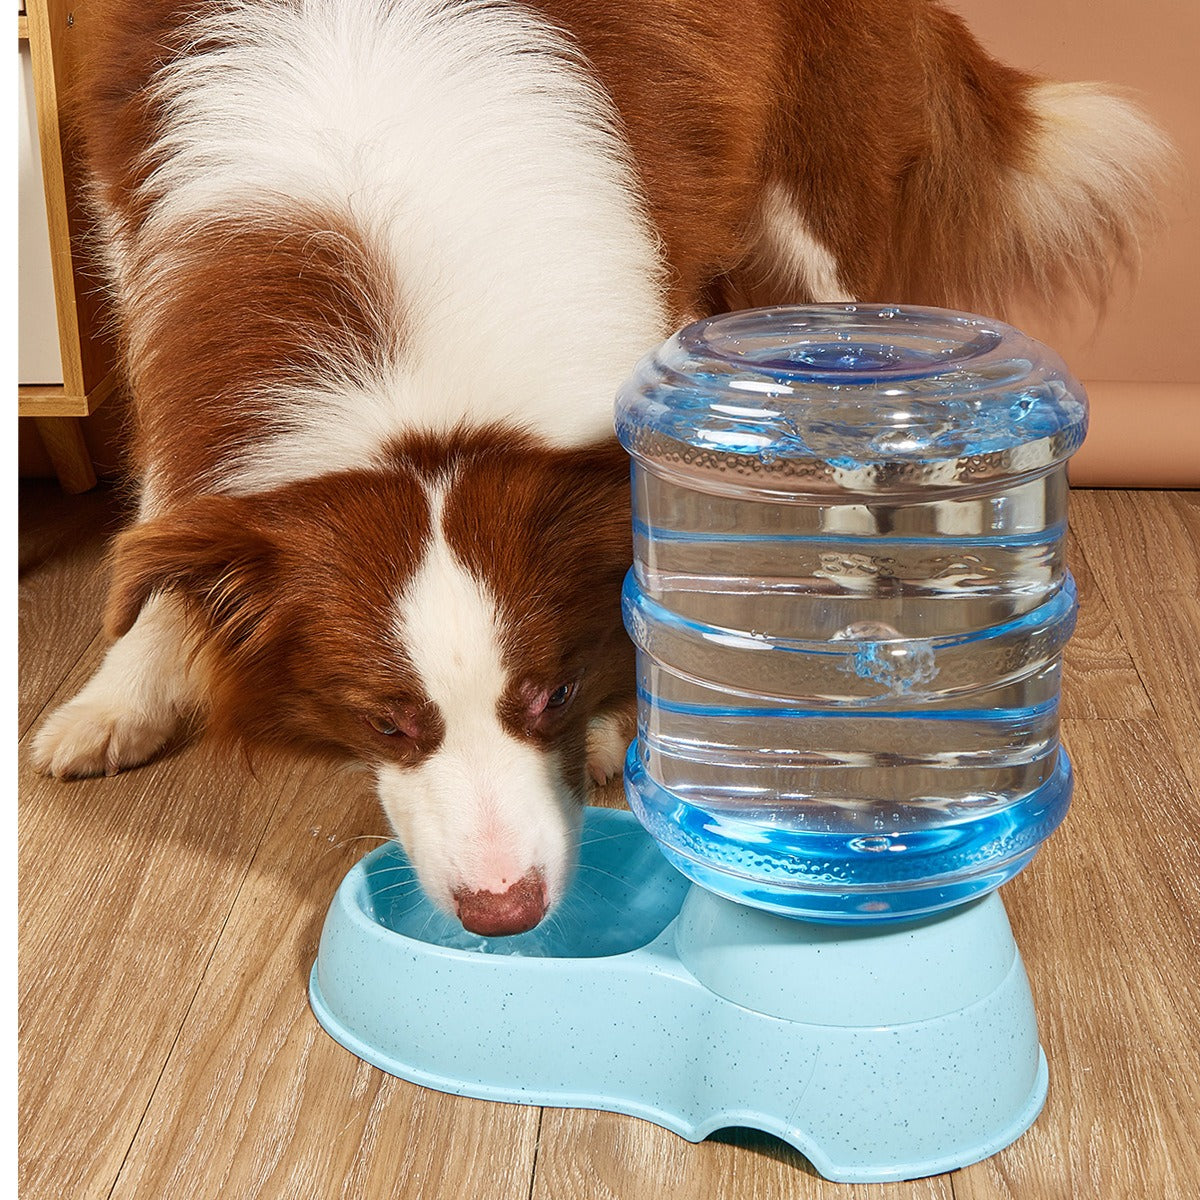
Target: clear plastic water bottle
{"x": 850, "y": 601}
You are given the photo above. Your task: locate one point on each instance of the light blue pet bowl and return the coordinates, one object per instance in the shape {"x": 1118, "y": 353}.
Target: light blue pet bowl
{"x": 880, "y": 1052}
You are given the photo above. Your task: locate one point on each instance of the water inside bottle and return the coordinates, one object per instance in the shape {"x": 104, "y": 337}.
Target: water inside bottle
{"x": 848, "y": 693}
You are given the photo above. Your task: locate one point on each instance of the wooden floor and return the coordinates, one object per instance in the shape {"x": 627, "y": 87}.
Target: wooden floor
{"x": 169, "y": 918}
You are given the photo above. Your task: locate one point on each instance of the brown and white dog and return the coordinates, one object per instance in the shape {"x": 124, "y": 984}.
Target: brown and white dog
{"x": 379, "y": 267}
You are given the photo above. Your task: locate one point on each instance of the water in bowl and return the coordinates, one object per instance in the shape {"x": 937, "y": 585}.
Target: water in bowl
{"x": 623, "y": 894}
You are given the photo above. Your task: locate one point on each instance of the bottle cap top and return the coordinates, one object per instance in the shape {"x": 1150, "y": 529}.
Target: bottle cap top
{"x": 850, "y": 398}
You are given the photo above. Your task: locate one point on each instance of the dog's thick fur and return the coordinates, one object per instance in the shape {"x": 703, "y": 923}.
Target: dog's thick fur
{"x": 379, "y": 267}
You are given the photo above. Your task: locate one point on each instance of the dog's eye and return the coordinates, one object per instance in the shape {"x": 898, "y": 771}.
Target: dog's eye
{"x": 541, "y": 704}
{"x": 383, "y": 724}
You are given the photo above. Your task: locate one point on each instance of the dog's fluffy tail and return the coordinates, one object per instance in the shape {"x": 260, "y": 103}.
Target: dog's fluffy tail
{"x": 1028, "y": 189}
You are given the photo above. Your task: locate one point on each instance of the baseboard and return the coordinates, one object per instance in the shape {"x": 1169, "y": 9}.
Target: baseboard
{"x": 1141, "y": 435}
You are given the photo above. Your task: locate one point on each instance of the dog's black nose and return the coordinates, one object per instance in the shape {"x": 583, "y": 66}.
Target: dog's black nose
{"x": 501, "y": 914}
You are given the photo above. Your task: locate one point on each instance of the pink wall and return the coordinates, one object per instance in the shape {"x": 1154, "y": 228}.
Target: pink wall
{"x": 1144, "y": 357}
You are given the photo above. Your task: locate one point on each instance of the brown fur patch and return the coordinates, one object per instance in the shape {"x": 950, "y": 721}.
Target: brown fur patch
{"x": 549, "y": 532}
{"x": 240, "y": 307}
{"x": 113, "y": 118}
{"x": 894, "y": 133}
{"x": 698, "y": 95}
{"x": 291, "y": 597}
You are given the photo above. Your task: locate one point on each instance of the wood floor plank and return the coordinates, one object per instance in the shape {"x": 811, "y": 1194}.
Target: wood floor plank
{"x": 257, "y": 1101}
{"x": 1100, "y": 679}
{"x": 61, "y": 586}
{"x": 1141, "y": 541}
{"x": 588, "y": 1155}
{"x": 1154, "y": 614}
{"x": 124, "y": 885}
{"x": 1106, "y": 919}
{"x": 1164, "y": 633}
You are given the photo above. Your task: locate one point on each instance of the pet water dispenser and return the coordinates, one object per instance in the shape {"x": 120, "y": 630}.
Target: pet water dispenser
{"x": 849, "y": 601}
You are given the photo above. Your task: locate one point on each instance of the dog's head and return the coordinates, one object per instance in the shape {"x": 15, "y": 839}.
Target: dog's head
{"x": 451, "y": 618}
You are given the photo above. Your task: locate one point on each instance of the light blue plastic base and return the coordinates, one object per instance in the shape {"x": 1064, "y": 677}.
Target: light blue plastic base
{"x": 880, "y": 1053}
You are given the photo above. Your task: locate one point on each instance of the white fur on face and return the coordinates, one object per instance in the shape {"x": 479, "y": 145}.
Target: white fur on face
{"x": 469, "y": 149}
{"x": 486, "y": 807}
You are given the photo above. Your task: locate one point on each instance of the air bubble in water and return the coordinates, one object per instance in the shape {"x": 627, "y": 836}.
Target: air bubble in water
{"x": 884, "y": 655}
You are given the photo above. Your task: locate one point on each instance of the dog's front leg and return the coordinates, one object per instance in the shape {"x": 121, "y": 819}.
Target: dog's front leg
{"x": 145, "y": 687}
{"x": 609, "y": 735}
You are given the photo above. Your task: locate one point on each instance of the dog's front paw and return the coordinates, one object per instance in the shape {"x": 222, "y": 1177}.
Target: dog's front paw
{"x": 99, "y": 735}
{"x": 608, "y": 740}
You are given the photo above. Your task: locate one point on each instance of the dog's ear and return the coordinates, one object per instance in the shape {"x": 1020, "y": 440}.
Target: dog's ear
{"x": 597, "y": 501}
{"x": 210, "y": 552}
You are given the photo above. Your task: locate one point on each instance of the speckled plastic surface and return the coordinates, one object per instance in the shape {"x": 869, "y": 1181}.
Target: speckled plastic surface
{"x": 883, "y": 1052}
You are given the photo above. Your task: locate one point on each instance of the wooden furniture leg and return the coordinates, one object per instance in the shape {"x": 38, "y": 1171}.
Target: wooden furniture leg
{"x": 63, "y": 439}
